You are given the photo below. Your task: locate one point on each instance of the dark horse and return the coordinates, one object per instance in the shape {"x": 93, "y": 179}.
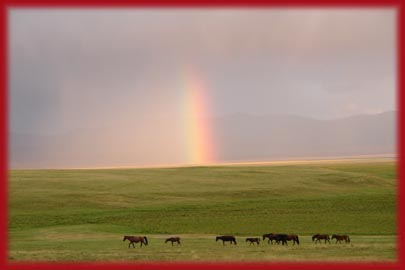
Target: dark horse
{"x": 294, "y": 238}
{"x": 319, "y": 237}
{"x": 271, "y": 237}
{"x": 281, "y": 238}
{"x": 253, "y": 240}
{"x": 173, "y": 239}
{"x": 339, "y": 238}
{"x": 136, "y": 239}
{"x": 226, "y": 238}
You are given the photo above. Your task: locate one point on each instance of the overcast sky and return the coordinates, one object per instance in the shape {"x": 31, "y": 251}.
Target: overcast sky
{"x": 85, "y": 68}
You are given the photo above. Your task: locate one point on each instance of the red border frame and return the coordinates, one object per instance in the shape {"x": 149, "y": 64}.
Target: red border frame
{"x": 6, "y": 4}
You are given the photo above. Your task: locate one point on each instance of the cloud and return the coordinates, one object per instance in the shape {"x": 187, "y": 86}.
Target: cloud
{"x": 80, "y": 67}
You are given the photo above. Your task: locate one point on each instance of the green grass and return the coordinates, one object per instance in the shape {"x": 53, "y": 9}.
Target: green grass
{"x": 83, "y": 214}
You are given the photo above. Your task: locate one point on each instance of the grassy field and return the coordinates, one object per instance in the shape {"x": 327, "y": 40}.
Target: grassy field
{"x": 82, "y": 215}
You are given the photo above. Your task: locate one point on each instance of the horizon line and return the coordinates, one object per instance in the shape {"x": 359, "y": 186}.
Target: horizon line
{"x": 281, "y": 161}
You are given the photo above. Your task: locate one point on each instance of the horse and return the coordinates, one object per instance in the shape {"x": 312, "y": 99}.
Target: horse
{"x": 294, "y": 238}
{"x": 226, "y": 238}
{"x": 270, "y": 236}
{"x": 253, "y": 241}
{"x": 339, "y": 238}
{"x": 136, "y": 239}
{"x": 281, "y": 238}
{"x": 320, "y": 237}
{"x": 173, "y": 239}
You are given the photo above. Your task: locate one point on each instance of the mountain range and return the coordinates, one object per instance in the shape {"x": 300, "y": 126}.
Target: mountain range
{"x": 238, "y": 138}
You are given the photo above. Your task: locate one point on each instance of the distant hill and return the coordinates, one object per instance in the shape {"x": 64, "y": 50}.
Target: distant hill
{"x": 244, "y": 137}
{"x": 237, "y": 138}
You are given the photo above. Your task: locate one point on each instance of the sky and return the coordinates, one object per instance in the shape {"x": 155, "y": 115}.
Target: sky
{"x": 123, "y": 69}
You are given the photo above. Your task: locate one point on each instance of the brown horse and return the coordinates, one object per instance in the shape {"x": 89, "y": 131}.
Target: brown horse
{"x": 173, "y": 239}
{"x": 253, "y": 241}
{"x": 294, "y": 238}
{"x": 319, "y": 237}
{"x": 226, "y": 238}
{"x": 271, "y": 237}
{"x": 136, "y": 239}
{"x": 339, "y": 238}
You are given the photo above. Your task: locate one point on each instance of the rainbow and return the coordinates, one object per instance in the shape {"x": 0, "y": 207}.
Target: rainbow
{"x": 200, "y": 147}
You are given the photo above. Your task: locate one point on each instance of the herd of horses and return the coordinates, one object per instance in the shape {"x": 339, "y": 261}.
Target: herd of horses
{"x": 339, "y": 238}
{"x": 277, "y": 238}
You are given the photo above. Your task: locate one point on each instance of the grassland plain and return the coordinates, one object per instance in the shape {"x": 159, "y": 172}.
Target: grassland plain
{"x": 82, "y": 215}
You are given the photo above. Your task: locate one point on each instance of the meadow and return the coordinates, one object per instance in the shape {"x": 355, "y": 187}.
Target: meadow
{"x": 82, "y": 215}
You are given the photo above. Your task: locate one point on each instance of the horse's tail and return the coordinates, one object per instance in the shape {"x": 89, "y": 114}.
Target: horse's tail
{"x": 313, "y": 238}
{"x": 348, "y": 239}
{"x": 146, "y": 240}
{"x": 298, "y": 240}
